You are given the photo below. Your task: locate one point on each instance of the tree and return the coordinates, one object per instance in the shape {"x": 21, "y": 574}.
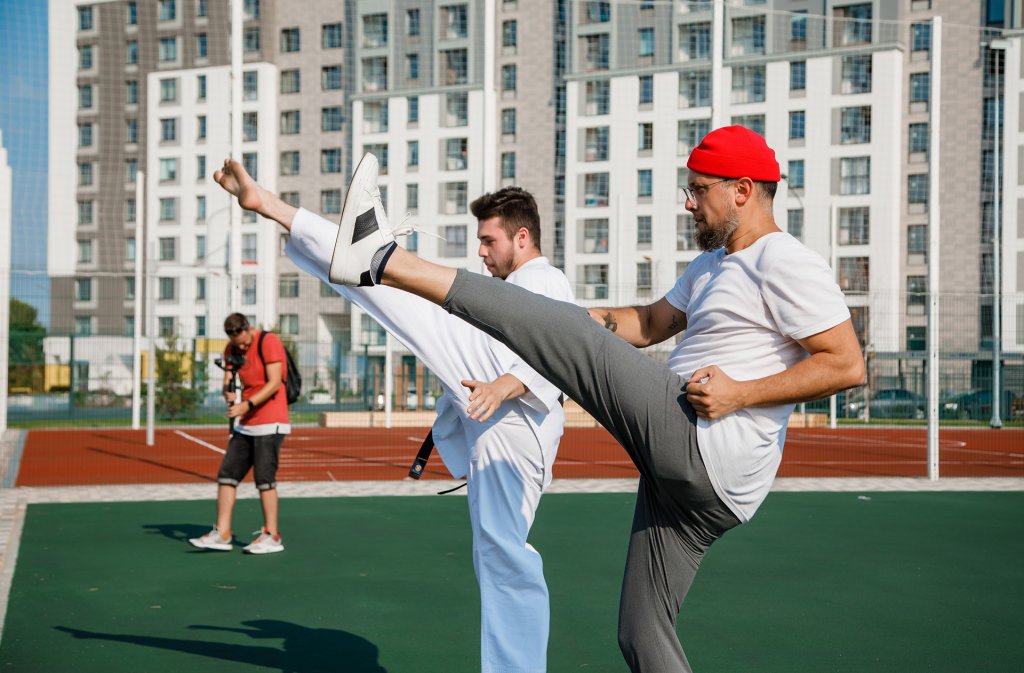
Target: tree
{"x": 25, "y": 348}
{"x": 175, "y": 397}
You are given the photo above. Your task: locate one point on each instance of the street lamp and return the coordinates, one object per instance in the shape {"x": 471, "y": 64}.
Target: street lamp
{"x": 997, "y": 47}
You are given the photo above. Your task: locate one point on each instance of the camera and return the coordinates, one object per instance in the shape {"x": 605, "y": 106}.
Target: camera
{"x": 234, "y": 362}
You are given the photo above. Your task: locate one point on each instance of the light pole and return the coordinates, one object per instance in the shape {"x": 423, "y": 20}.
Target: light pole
{"x": 997, "y": 47}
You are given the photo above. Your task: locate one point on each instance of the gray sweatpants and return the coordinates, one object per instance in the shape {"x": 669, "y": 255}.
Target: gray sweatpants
{"x": 643, "y": 405}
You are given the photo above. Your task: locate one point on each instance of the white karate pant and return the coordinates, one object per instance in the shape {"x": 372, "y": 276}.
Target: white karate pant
{"x": 502, "y": 458}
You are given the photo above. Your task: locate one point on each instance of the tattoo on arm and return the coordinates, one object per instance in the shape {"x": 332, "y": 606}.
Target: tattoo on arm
{"x": 675, "y": 322}
{"x": 609, "y": 322}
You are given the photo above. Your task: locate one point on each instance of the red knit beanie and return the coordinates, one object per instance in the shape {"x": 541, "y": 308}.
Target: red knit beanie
{"x": 735, "y": 152}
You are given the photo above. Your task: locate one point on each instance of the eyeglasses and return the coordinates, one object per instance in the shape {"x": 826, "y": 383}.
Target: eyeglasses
{"x": 694, "y": 193}
{"x": 235, "y": 331}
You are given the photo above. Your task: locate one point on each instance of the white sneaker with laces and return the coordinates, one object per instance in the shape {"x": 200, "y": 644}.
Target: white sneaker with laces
{"x": 363, "y": 229}
{"x": 212, "y": 540}
{"x": 264, "y": 544}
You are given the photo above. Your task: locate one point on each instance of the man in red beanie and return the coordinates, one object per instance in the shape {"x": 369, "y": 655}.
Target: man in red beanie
{"x": 765, "y": 325}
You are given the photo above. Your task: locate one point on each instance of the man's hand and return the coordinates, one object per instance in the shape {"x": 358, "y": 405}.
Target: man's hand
{"x": 713, "y": 394}
{"x": 485, "y": 397}
{"x": 238, "y": 410}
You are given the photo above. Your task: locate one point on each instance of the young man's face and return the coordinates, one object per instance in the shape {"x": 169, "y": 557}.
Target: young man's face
{"x": 241, "y": 340}
{"x": 496, "y": 248}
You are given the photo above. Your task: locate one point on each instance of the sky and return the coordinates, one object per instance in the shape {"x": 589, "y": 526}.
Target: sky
{"x": 23, "y": 118}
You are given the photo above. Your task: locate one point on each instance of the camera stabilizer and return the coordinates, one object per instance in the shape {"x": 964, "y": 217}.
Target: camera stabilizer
{"x": 235, "y": 361}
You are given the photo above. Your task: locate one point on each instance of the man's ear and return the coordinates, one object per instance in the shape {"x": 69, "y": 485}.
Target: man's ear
{"x": 744, "y": 190}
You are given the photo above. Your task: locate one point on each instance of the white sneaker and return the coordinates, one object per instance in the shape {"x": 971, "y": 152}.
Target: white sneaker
{"x": 212, "y": 540}
{"x": 363, "y": 229}
{"x": 264, "y": 544}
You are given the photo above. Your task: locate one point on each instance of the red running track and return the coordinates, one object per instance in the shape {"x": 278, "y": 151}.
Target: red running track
{"x": 98, "y": 457}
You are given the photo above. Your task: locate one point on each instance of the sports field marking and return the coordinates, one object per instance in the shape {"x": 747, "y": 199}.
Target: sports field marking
{"x": 198, "y": 441}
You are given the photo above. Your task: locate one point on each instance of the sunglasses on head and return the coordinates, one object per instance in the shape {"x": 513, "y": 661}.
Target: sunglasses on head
{"x": 235, "y": 331}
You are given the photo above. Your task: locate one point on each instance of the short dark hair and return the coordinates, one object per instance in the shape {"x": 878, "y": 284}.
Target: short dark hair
{"x": 768, "y": 189}
{"x": 515, "y": 206}
{"x": 236, "y": 323}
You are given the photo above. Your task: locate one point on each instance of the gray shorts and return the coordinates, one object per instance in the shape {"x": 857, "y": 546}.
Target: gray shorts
{"x": 258, "y": 452}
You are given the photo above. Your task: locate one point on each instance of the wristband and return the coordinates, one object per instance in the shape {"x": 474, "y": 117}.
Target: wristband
{"x": 251, "y": 405}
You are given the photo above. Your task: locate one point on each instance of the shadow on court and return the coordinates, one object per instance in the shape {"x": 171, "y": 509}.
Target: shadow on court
{"x": 179, "y": 532}
{"x": 304, "y": 650}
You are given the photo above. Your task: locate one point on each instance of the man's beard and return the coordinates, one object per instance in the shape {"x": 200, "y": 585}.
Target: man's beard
{"x": 710, "y": 237}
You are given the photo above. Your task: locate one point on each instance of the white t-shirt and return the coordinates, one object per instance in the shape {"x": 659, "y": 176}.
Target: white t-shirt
{"x": 744, "y": 313}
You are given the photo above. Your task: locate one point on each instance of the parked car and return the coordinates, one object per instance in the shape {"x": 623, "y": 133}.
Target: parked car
{"x": 891, "y": 403}
{"x": 977, "y": 405}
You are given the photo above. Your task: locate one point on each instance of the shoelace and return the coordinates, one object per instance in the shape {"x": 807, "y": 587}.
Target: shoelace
{"x": 405, "y": 229}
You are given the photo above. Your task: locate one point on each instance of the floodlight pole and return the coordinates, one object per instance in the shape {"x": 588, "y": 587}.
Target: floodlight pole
{"x": 998, "y": 47}
{"x": 934, "y": 244}
{"x": 140, "y": 296}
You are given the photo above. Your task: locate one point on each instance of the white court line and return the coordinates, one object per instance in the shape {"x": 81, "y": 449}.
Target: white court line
{"x": 199, "y": 441}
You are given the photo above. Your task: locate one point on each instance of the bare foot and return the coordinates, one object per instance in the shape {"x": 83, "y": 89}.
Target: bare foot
{"x": 237, "y": 182}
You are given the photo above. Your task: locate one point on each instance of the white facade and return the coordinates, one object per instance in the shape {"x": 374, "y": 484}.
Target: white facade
{"x": 1012, "y": 207}
{"x": 5, "y": 275}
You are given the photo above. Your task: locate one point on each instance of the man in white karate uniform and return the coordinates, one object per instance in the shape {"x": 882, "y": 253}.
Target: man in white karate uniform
{"x": 498, "y": 423}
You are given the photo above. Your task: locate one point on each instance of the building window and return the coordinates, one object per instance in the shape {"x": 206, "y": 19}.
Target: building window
{"x": 169, "y": 130}
{"x": 131, "y": 170}
{"x": 85, "y": 135}
{"x": 290, "y": 40}
{"x": 85, "y": 54}
{"x": 290, "y": 81}
{"x": 83, "y": 289}
{"x": 454, "y": 244}
{"x": 917, "y": 189}
{"x": 595, "y": 236}
{"x": 168, "y": 247}
{"x": 455, "y": 67}
{"x": 290, "y": 122}
{"x": 509, "y": 36}
{"x": 457, "y": 109}
{"x": 132, "y": 92}
{"x": 331, "y": 36}
{"x": 250, "y": 248}
{"x": 85, "y": 18}
{"x": 330, "y": 201}
{"x": 508, "y": 77}
{"x": 695, "y": 40}
{"x": 330, "y": 77}
{"x": 200, "y": 247}
{"x": 643, "y": 276}
{"x": 855, "y": 175}
{"x": 753, "y": 122}
{"x": 201, "y": 46}
{"x": 853, "y": 274}
{"x": 412, "y": 197}
{"x": 168, "y": 49}
{"x": 168, "y": 208}
{"x": 508, "y": 122}
{"x": 201, "y": 87}
{"x": 690, "y": 133}
{"x": 330, "y": 118}
{"x": 250, "y": 85}
{"x": 85, "y": 97}
{"x": 646, "y": 43}
{"x": 856, "y": 74}
{"x": 595, "y": 281}
{"x": 250, "y": 126}
{"x": 201, "y": 289}
{"x": 748, "y": 84}
{"x": 168, "y": 10}
{"x": 797, "y": 123}
{"x": 330, "y": 160}
{"x": 375, "y": 74}
{"x": 412, "y": 66}
{"x": 251, "y": 40}
{"x": 854, "y": 226}
{"x": 290, "y": 162}
{"x": 855, "y": 125}
{"x": 919, "y": 139}
{"x": 375, "y": 30}
{"x": 129, "y": 210}
{"x": 288, "y": 323}
{"x": 168, "y": 170}
{"x": 797, "y": 75}
{"x": 169, "y": 90}
{"x": 684, "y": 228}
{"x": 646, "y": 96}
{"x": 167, "y": 289}
{"x": 375, "y": 116}
{"x": 456, "y": 153}
{"x": 454, "y": 199}
{"x": 598, "y": 97}
{"x": 798, "y": 28}
{"x": 454, "y": 22}
{"x": 249, "y": 289}
{"x": 83, "y": 327}
{"x": 644, "y": 183}
{"x": 201, "y": 127}
{"x": 643, "y": 231}
{"x": 853, "y": 25}
{"x": 508, "y": 165}
{"x": 795, "y": 223}
{"x": 597, "y": 12}
{"x": 85, "y": 173}
{"x": 748, "y": 35}
{"x": 250, "y": 9}
{"x": 412, "y": 113}
{"x": 645, "y": 136}
{"x": 595, "y": 50}
{"x": 129, "y": 289}
{"x": 596, "y": 144}
{"x": 920, "y": 83}
{"x": 85, "y": 252}
{"x": 795, "y": 174}
{"x": 412, "y": 153}
{"x": 131, "y": 52}
{"x": 917, "y": 242}
{"x": 85, "y": 212}
{"x": 595, "y": 190}
{"x": 921, "y": 36}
